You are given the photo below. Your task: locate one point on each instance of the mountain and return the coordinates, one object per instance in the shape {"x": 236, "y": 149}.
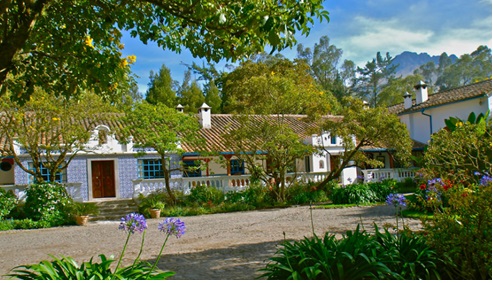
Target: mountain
{"x": 408, "y": 61}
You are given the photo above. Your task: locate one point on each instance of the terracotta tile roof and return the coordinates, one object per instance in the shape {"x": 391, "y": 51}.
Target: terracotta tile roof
{"x": 447, "y": 96}
{"x": 416, "y": 146}
{"x": 214, "y": 141}
{"x": 221, "y": 124}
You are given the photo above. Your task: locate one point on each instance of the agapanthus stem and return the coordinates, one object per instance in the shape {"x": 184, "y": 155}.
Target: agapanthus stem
{"x": 141, "y": 248}
{"x": 159, "y": 255}
{"x": 123, "y": 252}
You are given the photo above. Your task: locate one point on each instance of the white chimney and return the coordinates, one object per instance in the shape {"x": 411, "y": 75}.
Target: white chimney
{"x": 205, "y": 116}
{"x": 180, "y": 108}
{"x": 408, "y": 100}
{"x": 421, "y": 92}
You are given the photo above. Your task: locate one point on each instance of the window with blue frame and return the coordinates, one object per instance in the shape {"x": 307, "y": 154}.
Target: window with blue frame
{"x": 333, "y": 140}
{"x": 237, "y": 167}
{"x": 60, "y": 177}
{"x": 150, "y": 169}
{"x": 191, "y": 168}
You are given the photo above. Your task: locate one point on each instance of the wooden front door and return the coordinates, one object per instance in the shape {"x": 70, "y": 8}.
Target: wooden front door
{"x": 103, "y": 179}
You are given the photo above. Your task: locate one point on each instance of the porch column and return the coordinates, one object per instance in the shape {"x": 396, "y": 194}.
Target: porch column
{"x": 228, "y": 163}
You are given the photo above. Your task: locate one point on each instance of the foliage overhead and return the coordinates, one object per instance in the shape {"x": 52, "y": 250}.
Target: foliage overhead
{"x": 69, "y": 45}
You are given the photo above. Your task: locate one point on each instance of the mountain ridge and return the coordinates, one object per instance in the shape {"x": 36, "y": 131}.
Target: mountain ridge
{"x": 409, "y": 61}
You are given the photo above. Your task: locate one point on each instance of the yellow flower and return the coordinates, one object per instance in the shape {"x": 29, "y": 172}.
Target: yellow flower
{"x": 88, "y": 41}
{"x": 131, "y": 59}
{"x": 55, "y": 119}
{"x": 123, "y": 63}
{"x": 272, "y": 73}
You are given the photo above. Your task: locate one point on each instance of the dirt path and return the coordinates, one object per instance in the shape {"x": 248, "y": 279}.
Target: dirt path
{"x": 220, "y": 246}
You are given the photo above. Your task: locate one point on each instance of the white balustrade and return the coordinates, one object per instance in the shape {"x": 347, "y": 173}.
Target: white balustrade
{"x": 375, "y": 175}
{"x": 224, "y": 183}
{"x": 73, "y": 189}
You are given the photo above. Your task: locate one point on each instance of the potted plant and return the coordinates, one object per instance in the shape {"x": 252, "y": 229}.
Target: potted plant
{"x": 82, "y": 210}
{"x": 155, "y": 208}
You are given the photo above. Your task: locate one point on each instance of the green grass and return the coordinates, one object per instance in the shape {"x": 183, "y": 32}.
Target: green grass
{"x": 408, "y": 213}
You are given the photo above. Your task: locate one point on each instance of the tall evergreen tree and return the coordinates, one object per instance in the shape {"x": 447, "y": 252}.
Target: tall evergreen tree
{"x": 374, "y": 77}
{"x": 212, "y": 97}
{"x": 191, "y": 95}
{"x": 161, "y": 88}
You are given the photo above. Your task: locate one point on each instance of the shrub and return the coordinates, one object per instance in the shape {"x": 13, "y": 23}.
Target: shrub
{"x": 462, "y": 231}
{"x": 203, "y": 194}
{"x": 8, "y": 201}
{"x": 352, "y": 194}
{"x": 6, "y": 225}
{"x": 48, "y": 202}
{"x": 305, "y": 194}
{"x": 31, "y": 224}
{"x": 358, "y": 255}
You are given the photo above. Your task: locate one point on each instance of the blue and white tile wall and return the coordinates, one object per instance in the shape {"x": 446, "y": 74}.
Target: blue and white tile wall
{"x": 127, "y": 171}
{"x": 77, "y": 173}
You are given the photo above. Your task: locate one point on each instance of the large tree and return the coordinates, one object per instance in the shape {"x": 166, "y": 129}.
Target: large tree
{"x": 263, "y": 130}
{"x": 66, "y": 46}
{"x": 325, "y": 68}
{"x": 367, "y": 127}
{"x": 376, "y": 74}
{"x": 191, "y": 96}
{"x": 469, "y": 68}
{"x": 161, "y": 88}
{"x": 50, "y": 129}
{"x": 283, "y": 87}
{"x": 163, "y": 129}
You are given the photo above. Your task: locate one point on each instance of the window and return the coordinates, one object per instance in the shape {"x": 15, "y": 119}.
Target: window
{"x": 60, "y": 177}
{"x": 191, "y": 168}
{"x": 321, "y": 164}
{"x": 237, "y": 167}
{"x": 150, "y": 169}
{"x": 333, "y": 140}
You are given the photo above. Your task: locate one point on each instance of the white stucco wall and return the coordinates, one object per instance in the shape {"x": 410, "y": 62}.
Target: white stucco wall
{"x": 419, "y": 124}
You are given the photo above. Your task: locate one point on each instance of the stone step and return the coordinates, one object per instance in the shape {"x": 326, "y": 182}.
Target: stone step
{"x": 114, "y": 210}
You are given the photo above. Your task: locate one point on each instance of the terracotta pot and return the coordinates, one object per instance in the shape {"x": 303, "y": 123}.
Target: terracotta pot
{"x": 81, "y": 220}
{"x": 155, "y": 213}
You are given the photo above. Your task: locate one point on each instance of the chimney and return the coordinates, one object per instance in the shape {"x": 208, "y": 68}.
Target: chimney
{"x": 408, "y": 100}
{"x": 421, "y": 92}
{"x": 180, "y": 108}
{"x": 205, "y": 116}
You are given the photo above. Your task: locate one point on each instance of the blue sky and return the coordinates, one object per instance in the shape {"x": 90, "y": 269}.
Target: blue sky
{"x": 361, "y": 28}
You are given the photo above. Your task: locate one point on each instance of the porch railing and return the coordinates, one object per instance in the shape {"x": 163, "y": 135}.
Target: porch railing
{"x": 73, "y": 189}
{"x": 224, "y": 183}
{"x": 375, "y": 175}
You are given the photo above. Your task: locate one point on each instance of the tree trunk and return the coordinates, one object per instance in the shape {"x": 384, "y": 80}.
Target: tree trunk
{"x": 166, "y": 173}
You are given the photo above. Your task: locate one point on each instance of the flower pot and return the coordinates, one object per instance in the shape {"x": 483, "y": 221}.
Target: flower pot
{"x": 81, "y": 220}
{"x": 155, "y": 213}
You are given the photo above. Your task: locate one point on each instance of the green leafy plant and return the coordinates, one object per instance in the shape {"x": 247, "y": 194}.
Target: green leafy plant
{"x": 84, "y": 208}
{"x": 204, "y": 194}
{"x": 48, "y": 202}
{"x": 8, "y": 201}
{"x": 358, "y": 255}
{"x": 66, "y": 268}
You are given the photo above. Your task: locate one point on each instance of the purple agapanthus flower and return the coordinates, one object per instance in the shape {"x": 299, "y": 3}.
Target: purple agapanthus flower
{"x": 485, "y": 180}
{"x": 396, "y": 200}
{"x": 133, "y": 222}
{"x": 172, "y": 226}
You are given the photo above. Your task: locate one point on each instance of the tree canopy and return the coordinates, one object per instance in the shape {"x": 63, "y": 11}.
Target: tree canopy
{"x": 51, "y": 130}
{"x": 282, "y": 87}
{"x": 66, "y": 46}
{"x": 367, "y": 127}
{"x": 163, "y": 129}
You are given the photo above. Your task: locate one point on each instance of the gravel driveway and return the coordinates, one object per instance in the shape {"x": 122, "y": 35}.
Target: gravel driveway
{"x": 220, "y": 246}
